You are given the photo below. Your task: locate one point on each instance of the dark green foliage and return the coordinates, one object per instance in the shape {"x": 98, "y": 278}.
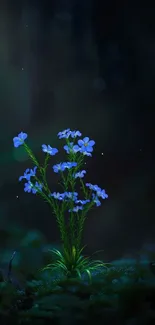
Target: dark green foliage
{"x": 121, "y": 294}
{"x": 75, "y": 301}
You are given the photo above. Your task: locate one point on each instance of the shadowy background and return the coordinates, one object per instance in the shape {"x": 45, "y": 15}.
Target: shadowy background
{"x": 87, "y": 65}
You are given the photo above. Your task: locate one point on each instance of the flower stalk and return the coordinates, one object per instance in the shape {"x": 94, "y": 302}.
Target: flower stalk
{"x": 71, "y": 231}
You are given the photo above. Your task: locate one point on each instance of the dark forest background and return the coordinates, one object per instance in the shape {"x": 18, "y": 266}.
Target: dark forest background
{"x": 86, "y": 65}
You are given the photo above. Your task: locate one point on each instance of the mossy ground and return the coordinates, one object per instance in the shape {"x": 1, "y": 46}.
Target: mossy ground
{"x": 123, "y": 293}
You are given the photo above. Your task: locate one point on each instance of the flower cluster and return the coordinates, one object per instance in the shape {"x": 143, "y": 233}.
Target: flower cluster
{"x": 62, "y": 166}
{"x": 70, "y": 172}
{"x": 65, "y": 196}
{"x": 48, "y": 149}
{"x": 28, "y": 173}
{"x": 68, "y": 133}
{"x": 99, "y": 193}
{"x": 83, "y": 147}
{"x": 34, "y": 188}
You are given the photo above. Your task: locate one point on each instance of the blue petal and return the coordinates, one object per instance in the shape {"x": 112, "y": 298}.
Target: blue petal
{"x": 44, "y": 147}
{"x": 89, "y": 149}
{"x": 91, "y": 143}
{"x": 16, "y": 142}
{"x": 80, "y": 143}
{"x": 22, "y": 135}
{"x": 86, "y": 139}
{"x": 76, "y": 148}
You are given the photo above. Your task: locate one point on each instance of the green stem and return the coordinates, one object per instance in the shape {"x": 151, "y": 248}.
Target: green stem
{"x": 81, "y": 221}
{"x": 72, "y": 223}
{"x": 31, "y": 155}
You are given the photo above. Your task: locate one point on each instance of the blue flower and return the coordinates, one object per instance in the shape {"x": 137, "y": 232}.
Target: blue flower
{"x": 58, "y": 196}
{"x": 48, "y": 149}
{"x": 96, "y": 188}
{"x": 38, "y": 186}
{"x": 76, "y": 149}
{"x": 99, "y": 192}
{"x": 85, "y": 153}
{"x": 62, "y": 166}
{"x": 58, "y": 167}
{"x": 71, "y": 148}
{"x": 91, "y": 186}
{"x": 69, "y": 164}
{"x": 28, "y": 173}
{"x": 19, "y": 140}
{"x": 65, "y": 195}
{"x": 83, "y": 202}
{"x": 96, "y": 200}
{"x": 71, "y": 195}
{"x": 102, "y": 194}
{"x": 80, "y": 174}
{"x": 32, "y": 188}
{"x": 64, "y": 134}
{"x": 86, "y": 145}
{"x": 76, "y": 209}
{"x": 68, "y": 133}
{"x": 29, "y": 187}
{"x": 75, "y": 134}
